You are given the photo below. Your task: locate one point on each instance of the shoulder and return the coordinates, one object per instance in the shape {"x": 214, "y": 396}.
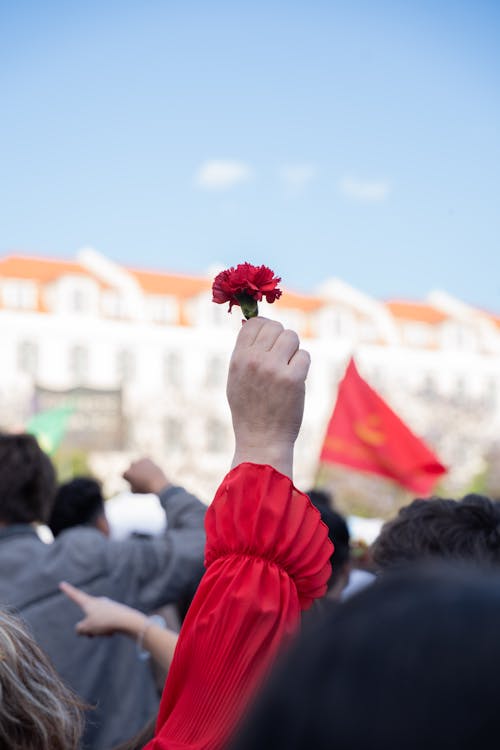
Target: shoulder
{"x": 80, "y": 544}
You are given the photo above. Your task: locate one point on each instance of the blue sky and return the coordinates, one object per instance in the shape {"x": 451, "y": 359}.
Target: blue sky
{"x": 351, "y": 139}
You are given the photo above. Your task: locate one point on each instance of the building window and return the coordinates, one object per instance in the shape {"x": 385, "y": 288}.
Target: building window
{"x": 215, "y": 372}
{"x": 172, "y": 369}
{"x": 19, "y": 294}
{"x": 113, "y": 305}
{"x": 79, "y": 363}
{"x": 27, "y": 357}
{"x": 343, "y": 324}
{"x": 459, "y": 336}
{"x": 173, "y": 434}
{"x": 125, "y": 366}
{"x": 162, "y": 309}
{"x": 79, "y": 301}
{"x": 216, "y": 436}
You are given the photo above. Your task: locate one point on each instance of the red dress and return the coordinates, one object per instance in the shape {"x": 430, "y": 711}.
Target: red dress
{"x": 267, "y": 558}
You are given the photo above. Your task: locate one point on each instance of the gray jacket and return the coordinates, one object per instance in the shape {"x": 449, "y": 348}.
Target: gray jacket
{"x": 143, "y": 573}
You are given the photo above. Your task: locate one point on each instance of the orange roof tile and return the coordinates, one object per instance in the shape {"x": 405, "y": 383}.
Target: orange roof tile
{"x": 303, "y": 302}
{"x": 43, "y": 270}
{"x": 181, "y": 285}
{"x": 419, "y": 312}
{"x": 38, "y": 269}
{"x": 178, "y": 285}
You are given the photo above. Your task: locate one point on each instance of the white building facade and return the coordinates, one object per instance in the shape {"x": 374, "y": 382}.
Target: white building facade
{"x": 158, "y": 339}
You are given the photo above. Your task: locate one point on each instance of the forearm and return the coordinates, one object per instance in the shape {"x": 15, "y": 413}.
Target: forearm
{"x": 267, "y": 558}
{"x": 183, "y": 509}
{"x": 158, "y": 641}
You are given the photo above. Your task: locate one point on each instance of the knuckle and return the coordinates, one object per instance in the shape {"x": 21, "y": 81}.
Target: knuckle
{"x": 291, "y": 335}
{"x": 305, "y": 356}
{"x": 289, "y": 377}
{"x": 268, "y": 369}
{"x": 251, "y": 366}
{"x": 274, "y": 326}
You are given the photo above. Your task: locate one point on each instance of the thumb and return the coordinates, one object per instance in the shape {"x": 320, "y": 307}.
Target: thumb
{"x": 83, "y": 628}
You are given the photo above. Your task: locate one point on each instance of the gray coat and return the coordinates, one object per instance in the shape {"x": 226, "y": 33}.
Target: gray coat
{"x": 144, "y": 573}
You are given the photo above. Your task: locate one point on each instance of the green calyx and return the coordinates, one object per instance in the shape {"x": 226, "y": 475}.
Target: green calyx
{"x": 248, "y": 305}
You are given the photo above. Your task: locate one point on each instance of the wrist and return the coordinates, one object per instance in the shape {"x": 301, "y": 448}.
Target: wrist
{"x": 279, "y": 456}
{"x": 151, "y": 622}
{"x": 159, "y": 484}
{"x": 134, "y": 624}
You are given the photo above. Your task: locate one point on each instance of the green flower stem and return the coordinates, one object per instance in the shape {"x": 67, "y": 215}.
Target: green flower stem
{"x": 248, "y": 305}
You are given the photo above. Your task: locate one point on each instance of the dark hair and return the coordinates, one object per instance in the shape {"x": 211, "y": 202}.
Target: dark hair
{"x": 468, "y": 529}
{"x": 77, "y": 503}
{"x": 410, "y": 662}
{"x": 321, "y": 497}
{"x": 338, "y": 533}
{"x": 27, "y": 480}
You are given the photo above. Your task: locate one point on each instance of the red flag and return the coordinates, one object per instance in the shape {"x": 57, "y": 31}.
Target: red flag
{"x": 366, "y": 434}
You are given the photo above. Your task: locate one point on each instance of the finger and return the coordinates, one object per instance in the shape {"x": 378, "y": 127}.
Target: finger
{"x": 248, "y": 332}
{"x": 286, "y": 345}
{"x": 300, "y": 363}
{"x": 76, "y": 595}
{"x": 267, "y": 335}
{"x": 82, "y": 628}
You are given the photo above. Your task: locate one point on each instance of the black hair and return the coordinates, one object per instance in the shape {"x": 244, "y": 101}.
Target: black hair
{"x": 78, "y": 502}
{"x": 410, "y": 662}
{"x": 468, "y": 529}
{"x": 27, "y": 480}
{"x": 321, "y": 497}
{"x": 338, "y": 533}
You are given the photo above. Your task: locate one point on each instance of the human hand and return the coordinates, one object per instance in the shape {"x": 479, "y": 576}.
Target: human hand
{"x": 145, "y": 476}
{"x": 265, "y": 390}
{"x": 104, "y": 616}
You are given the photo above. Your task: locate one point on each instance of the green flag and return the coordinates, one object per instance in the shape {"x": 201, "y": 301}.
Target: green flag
{"x": 49, "y": 427}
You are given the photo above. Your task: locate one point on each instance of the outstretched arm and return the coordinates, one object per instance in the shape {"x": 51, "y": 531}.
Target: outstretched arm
{"x": 267, "y": 553}
{"x": 104, "y": 616}
{"x": 149, "y": 573}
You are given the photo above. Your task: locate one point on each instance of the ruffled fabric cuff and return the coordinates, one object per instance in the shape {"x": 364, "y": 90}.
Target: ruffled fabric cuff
{"x": 257, "y": 511}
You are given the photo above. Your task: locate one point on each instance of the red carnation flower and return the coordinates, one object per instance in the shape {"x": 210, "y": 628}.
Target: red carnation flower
{"x": 246, "y": 285}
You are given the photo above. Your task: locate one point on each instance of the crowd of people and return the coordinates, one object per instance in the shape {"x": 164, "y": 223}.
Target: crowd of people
{"x": 236, "y": 628}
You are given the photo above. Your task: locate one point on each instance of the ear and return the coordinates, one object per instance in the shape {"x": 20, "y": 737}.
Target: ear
{"x": 102, "y": 524}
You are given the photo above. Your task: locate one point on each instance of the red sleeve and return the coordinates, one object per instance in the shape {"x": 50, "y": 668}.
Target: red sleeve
{"x": 267, "y": 557}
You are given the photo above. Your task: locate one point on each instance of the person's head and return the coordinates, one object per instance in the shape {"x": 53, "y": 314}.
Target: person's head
{"x": 410, "y": 662}
{"x": 465, "y": 530}
{"x": 27, "y": 480}
{"x": 338, "y": 533}
{"x": 79, "y": 503}
{"x": 37, "y": 711}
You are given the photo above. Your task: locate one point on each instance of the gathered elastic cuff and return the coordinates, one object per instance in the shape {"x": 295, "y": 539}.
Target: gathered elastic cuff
{"x": 257, "y": 511}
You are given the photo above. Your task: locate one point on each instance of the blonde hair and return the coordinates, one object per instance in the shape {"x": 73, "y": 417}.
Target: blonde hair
{"x": 37, "y": 711}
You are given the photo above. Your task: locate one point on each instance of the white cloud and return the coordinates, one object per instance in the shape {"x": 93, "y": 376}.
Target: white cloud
{"x": 296, "y": 177}
{"x": 370, "y": 191}
{"x": 220, "y": 174}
